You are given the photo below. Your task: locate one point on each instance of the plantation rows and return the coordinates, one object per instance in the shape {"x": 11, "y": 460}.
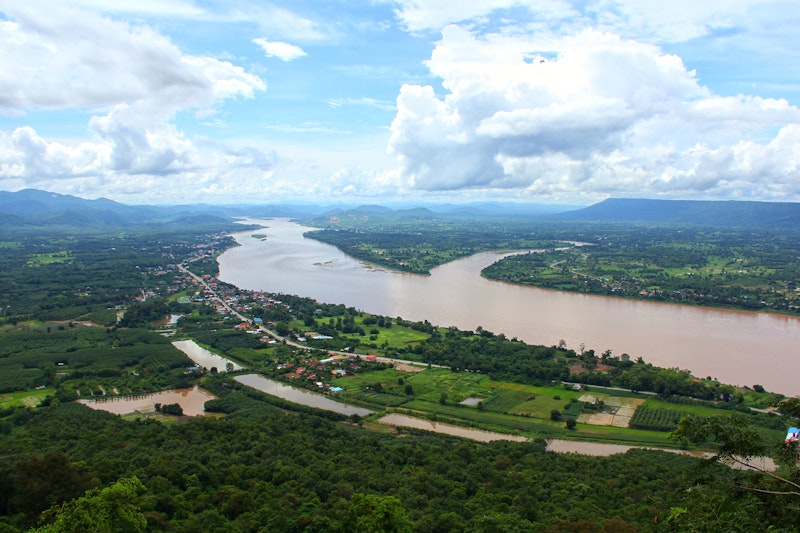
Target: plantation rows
{"x": 656, "y": 419}
{"x": 13, "y": 343}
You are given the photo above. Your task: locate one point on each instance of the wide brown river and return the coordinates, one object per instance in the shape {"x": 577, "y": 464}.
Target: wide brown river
{"x": 741, "y": 348}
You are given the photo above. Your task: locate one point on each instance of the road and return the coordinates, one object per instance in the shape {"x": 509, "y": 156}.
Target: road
{"x": 337, "y": 355}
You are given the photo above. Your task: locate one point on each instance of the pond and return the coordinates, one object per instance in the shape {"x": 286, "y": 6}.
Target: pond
{"x": 395, "y": 419}
{"x": 203, "y": 357}
{"x": 192, "y": 401}
{"x": 299, "y": 396}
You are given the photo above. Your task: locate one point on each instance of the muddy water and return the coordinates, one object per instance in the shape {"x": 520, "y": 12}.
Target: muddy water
{"x": 605, "y": 449}
{"x": 299, "y": 396}
{"x": 741, "y": 348}
{"x": 190, "y": 400}
{"x": 203, "y": 357}
{"x": 395, "y": 419}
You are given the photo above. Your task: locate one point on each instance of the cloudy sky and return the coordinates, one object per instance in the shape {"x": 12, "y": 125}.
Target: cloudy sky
{"x": 546, "y": 101}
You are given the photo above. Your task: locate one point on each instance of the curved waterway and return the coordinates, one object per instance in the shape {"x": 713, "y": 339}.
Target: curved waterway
{"x": 303, "y": 397}
{"x": 742, "y": 348}
{"x": 479, "y": 435}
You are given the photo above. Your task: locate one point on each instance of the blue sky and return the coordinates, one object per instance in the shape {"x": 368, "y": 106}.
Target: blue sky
{"x": 557, "y": 101}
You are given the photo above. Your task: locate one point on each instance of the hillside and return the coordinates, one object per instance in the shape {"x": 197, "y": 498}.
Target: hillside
{"x": 702, "y": 213}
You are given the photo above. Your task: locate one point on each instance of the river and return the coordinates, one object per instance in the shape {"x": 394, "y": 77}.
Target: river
{"x": 737, "y": 347}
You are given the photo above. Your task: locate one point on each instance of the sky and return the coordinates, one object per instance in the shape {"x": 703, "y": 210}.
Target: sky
{"x": 378, "y": 101}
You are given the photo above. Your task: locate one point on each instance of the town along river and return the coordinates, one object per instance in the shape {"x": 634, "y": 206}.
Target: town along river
{"x": 736, "y": 347}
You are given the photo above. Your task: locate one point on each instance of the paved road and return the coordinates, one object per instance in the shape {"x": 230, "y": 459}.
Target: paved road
{"x": 334, "y": 354}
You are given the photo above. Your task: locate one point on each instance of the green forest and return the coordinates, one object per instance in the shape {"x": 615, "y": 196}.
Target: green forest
{"x": 86, "y": 316}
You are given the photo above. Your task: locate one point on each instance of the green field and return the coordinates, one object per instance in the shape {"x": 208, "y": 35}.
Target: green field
{"x": 25, "y": 398}
{"x": 50, "y": 258}
{"x": 506, "y": 407}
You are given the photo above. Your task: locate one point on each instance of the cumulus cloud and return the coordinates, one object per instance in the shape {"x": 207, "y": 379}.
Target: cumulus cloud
{"x": 136, "y": 82}
{"x": 63, "y": 58}
{"x": 280, "y": 50}
{"x": 595, "y": 114}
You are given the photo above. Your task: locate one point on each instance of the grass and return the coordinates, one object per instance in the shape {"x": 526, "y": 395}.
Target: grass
{"x": 25, "y": 398}
{"x": 507, "y": 407}
{"x": 697, "y": 410}
{"x": 49, "y": 258}
{"x": 533, "y": 427}
{"x": 386, "y": 340}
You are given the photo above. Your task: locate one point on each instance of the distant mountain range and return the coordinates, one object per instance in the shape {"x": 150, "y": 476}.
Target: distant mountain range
{"x": 35, "y": 208}
{"x": 775, "y": 215}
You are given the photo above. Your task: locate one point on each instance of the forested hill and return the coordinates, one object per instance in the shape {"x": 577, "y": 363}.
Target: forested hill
{"x": 31, "y": 208}
{"x": 704, "y": 213}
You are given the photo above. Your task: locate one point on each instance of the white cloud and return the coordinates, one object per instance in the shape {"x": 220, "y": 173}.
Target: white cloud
{"x": 605, "y": 115}
{"x": 66, "y": 58}
{"x": 383, "y": 105}
{"x": 675, "y": 21}
{"x": 172, "y": 8}
{"x": 276, "y": 21}
{"x": 647, "y": 20}
{"x": 281, "y": 50}
{"x": 419, "y": 15}
{"x": 137, "y": 82}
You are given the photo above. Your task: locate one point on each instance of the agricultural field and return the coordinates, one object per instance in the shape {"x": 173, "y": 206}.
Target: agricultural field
{"x": 716, "y": 268}
{"x": 50, "y": 258}
{"x": 25, "y": 398}
{"x": 599, "y": 415}
{"x": 89, "y": 359}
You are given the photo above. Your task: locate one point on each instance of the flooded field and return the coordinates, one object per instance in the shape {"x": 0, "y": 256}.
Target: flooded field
{"x": 192, "y": 402}
{"x": 447, "y": 429}
{"x": 300, "y": 396}
{"x": 204, "y": 358}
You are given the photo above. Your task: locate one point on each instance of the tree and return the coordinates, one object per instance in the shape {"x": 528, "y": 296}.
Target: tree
{"x": 737, "y": 500}
{"x": 43, "y": 482}
{"x": 112, "y": 509}
{"x": 372, "y": 513}
{"x": 570, "y": 423}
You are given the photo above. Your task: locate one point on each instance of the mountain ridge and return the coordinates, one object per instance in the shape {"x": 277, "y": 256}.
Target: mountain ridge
{"x": 729, "y": 213}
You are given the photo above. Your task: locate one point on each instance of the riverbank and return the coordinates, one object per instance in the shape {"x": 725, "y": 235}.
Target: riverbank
{"x": 733, "y": 347}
